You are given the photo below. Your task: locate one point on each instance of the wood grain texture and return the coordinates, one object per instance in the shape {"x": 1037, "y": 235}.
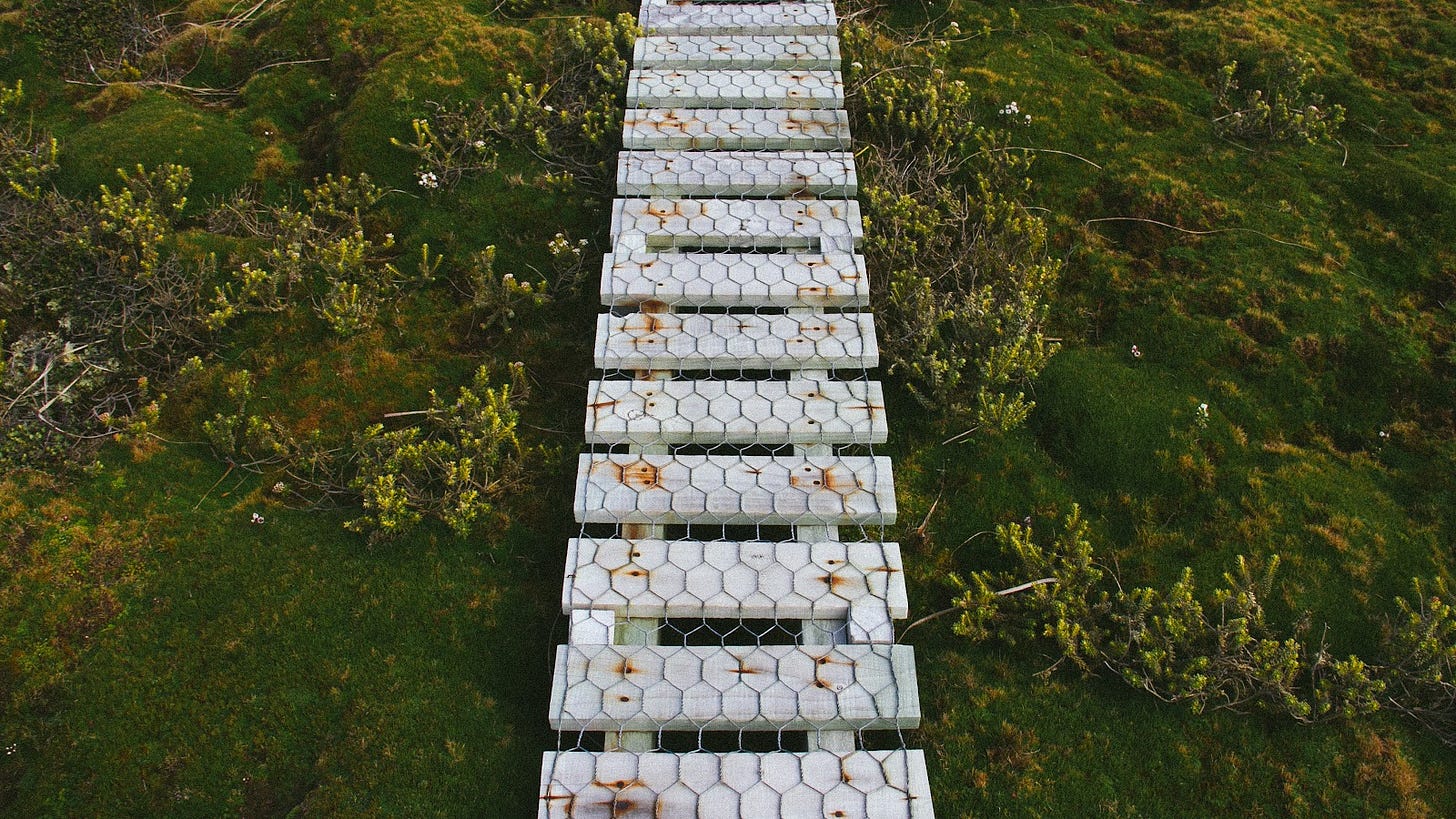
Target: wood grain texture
{"x": 632, "y": 279}
{"x": 737, "y": 51}
{"x": 817, "y": 411}
{"x": 734, "y": 489}
{"x": 671, "y": 172}
{"x": 735, "y": 342}
{"x": 659, "y": 18}
{"x": 734, "y": 88}
{"x": 791, "y": 580}
{"x": 730, "y": 688}
{"x": 855, "y": 784}
{"x": 736, "y": 129}
{"x": 770, "y": 224}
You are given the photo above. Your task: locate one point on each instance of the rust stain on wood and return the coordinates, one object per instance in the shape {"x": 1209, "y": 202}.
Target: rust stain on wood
{"x": 838, "y": 480}
{"x": 646, "y": 323}
{"x": 641, "y": 475}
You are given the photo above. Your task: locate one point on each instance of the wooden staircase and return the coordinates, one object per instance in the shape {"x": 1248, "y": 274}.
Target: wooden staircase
{"x": 731, "y": 441}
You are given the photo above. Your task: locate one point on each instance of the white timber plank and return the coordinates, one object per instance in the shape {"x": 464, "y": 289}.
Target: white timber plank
{"x": 726, "y": 341}
{"x": 789, "y": 580}
{"x": 820, "y": 226}
{"x": 737, "y": 51}
{"x": 675, "y": 279}
{"x": 592, "y": 626}
{"x": 736, "y": 128}
{"x": 734, "y": 489}
{"x": 804, "y": 411}
{"x": 734, "y": 88}
{"x": 672, "y": 172}
{"x": 659, "y": 18}
{"x": 853, "y": 784}
{"x": 732, "y": 688}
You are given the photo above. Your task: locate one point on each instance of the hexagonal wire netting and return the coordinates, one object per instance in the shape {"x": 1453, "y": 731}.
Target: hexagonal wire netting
{"x": 730, "y": 593}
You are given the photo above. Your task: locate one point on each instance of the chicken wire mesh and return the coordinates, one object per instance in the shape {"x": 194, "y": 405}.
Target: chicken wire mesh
{"x": 731, "y": 595}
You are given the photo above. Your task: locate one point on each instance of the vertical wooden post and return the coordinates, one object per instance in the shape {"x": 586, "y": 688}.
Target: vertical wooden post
{"x": 821, "y": 632}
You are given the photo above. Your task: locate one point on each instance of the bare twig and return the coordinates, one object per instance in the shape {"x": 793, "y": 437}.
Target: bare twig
{"x": 1202, "y": 232}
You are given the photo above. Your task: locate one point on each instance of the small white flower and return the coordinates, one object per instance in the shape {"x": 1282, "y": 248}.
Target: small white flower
{"x": 1028, "y": 119}
{"x": 279, "y": 488}
{"x": 479, "y": 144}
{"x": 857, "y": 65}
{"x": 429, "y": 180}
{"x": 1136, "y": 353}
{"x": 257, "y": 519}
{"x": 548, "y": 109}
{"x": 1384, "y": 435}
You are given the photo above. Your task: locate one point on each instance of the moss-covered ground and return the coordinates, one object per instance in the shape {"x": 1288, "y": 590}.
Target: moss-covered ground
{"x": 162, "y": 655}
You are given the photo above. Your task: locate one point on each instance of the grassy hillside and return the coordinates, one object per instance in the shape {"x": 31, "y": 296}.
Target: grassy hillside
{"x": 164, "y": 654}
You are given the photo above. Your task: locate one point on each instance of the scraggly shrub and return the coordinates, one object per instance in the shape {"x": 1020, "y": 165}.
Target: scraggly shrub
{"x": 1279, "y": 108}
{"x": 1211, "y": 652}
{"x": 319, "y": 254}
{"x": 571, "y": 121}
{"x": 1420, "y": 646}
{"x": 86, "y": 347}
{"x": 963, "y": 276}
{"x": 453, "y": 467}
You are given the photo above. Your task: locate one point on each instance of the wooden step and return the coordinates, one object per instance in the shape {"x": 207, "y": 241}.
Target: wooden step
{"x": 737, "y": 51}
{"x": 736, "y": 173}
{"x": 803, "y": 411}
{"x": 686, "y": 18}
{"x": 862, "y": 584}
{"x": 635, "y": 278}
{"x": 622, "y": 785}
{"x": 736, "y": 128}
{"x": 734, "y": 88}
{"x": 735, "y": 342}
{"x": 820, "y": 490}
{"x": 732, "y": 688}
{"x": 817, "y": 226}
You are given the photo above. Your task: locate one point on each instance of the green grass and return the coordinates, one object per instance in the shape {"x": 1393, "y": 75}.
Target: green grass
{"x": 156, "y": 130}
{"x": 256, "y": 667}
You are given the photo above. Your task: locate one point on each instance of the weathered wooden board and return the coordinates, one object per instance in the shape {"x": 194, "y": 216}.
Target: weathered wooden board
{"x": 661, "y": 18}
{"x": 731, "y": 489}
{"x": 736, "y": 128}
{"x": 620, "y": 785}
{"x": 731, "y": 688}
{"x": 671, "y": 172}
{"x": 862, "y": 583}
{"x": 733, "y": 342}
{"x": 734, "y": 88}
{"x": 819, "y": 226}
{"x": 805, "y": 411}
{"x": 737, "y": 51}
{"x": 635, "y": 278}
